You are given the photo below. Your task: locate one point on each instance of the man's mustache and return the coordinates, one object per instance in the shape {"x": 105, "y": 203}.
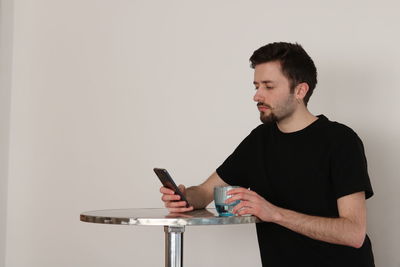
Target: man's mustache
{"x": 265, "y": 105}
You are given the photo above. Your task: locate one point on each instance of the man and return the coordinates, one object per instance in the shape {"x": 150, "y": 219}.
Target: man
{"x": 304, "y": 176}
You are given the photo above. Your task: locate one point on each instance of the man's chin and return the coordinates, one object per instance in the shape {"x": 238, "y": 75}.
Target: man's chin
{"x": 267, "y": 119}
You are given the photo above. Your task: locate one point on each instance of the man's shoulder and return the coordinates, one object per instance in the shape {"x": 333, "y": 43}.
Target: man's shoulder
{"x": 340, "y": 128}
{"x": 340, "y": 131}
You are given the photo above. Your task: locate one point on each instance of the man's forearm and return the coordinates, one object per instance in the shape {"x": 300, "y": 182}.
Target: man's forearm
{"x": 340, "y": 231}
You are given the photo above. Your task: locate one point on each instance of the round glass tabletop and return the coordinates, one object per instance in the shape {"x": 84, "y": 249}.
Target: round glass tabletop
{"x": 163, "y": 217}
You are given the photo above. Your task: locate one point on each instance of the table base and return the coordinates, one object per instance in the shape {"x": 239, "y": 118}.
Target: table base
{"x": 174, "y": 245}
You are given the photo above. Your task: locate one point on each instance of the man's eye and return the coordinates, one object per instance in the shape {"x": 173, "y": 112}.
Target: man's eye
{"x": 266, "y": 87}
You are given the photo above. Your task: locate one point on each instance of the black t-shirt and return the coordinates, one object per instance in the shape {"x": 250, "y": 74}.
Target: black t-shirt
{"x": 305, "y": 171}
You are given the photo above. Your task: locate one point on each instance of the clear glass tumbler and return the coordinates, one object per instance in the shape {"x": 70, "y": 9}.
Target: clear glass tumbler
{"x": 220, "y": 196}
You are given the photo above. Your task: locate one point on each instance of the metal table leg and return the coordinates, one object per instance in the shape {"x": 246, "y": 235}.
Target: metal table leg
{"x": 174, "y": 245}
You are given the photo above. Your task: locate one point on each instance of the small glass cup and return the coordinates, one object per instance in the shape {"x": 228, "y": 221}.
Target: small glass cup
{"x": 220, "y": 196}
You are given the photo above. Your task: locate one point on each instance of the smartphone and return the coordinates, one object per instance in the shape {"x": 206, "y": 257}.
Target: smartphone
{"x": 167, "y": 181}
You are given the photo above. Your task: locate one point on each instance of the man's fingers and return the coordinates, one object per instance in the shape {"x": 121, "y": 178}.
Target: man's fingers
{"x": 241, "y": 205}
{"x": 170, "y": 197}
{"x": 176, "y": 204}
{"x": 240, "y": 196}
{"x": 240, "y": 190}
{"x": 165, "y": 190}
{"x": 180, "y": 209}
{"x": 246, "y": 211}
{"x": 172, "y": 200}
{"x": 182, "y": 188}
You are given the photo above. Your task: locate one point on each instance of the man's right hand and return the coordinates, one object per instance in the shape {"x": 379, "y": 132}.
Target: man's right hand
{"x": 172, "y": 201}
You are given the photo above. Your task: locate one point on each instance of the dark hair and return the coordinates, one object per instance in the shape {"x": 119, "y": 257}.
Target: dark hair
{"x": 296, "y": 64}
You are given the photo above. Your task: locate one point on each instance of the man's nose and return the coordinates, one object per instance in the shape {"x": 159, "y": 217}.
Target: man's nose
{"x": 258, "y": 97}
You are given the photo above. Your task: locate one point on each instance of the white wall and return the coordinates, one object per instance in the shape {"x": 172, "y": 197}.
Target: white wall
{"x": 103, "y": 91}
{"x": 5, "y": 89}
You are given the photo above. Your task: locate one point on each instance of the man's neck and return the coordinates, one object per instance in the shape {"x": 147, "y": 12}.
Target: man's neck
{"x": 299, "y": 120}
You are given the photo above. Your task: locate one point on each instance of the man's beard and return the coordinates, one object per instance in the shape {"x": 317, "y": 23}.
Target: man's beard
{"x": 266, "y": 119}
{"x": 278, "y": 113}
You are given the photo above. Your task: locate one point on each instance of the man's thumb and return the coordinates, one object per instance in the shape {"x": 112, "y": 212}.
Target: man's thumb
{"x": 182, "y": 188}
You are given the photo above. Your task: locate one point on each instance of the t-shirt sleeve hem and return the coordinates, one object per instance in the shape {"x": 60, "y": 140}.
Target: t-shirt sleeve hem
{"x": 368, "y": 193}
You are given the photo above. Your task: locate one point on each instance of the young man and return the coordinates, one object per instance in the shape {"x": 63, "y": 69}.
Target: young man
{"x": 304, "y": 176}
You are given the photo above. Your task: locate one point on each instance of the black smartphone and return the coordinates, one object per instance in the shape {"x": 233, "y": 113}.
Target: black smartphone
{"x": 167, "y": 181}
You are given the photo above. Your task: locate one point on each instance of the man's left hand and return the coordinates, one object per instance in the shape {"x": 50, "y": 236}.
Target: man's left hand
{"x": 253, "y": 204}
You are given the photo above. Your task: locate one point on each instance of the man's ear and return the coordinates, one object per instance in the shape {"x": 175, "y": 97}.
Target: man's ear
{"x": 301, "y": 90}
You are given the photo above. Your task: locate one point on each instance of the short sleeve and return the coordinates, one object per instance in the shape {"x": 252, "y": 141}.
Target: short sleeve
{"x": 349, "y": 170}
{"x": 235, "y": 169}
